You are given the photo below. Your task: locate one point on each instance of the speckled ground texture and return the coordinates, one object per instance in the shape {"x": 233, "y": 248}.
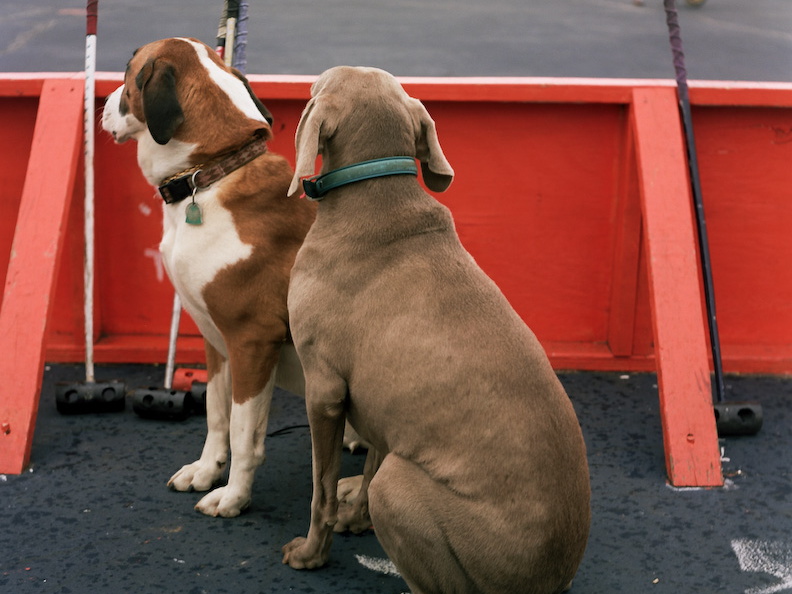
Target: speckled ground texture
{"x": 93, "y": 513}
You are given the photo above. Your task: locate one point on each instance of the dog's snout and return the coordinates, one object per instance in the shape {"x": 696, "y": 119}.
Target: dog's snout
{"x": 117, "y": 120}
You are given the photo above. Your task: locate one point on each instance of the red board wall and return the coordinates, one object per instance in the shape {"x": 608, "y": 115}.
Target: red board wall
{"x": 545, "y": 198}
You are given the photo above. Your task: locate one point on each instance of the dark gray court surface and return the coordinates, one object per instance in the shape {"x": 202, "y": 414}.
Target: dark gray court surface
{"x": 93, "y": 514}
{"x": 725, "y": 39}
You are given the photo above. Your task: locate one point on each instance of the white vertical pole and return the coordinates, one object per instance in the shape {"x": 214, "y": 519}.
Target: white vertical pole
{"x": 172, "y": 337}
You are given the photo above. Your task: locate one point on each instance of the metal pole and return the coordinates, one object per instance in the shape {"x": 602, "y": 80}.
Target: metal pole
{"x": 88, "y": 128}
{"x": 240, "y": 44}
{"x": 173, "y": 336}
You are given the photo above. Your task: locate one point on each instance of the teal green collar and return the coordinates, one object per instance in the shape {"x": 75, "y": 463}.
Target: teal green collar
{"x": 316, "y": 187}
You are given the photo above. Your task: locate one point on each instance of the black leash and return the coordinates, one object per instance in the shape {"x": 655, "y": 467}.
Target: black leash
{"x": 287, "y": 429}
{"x": 672, "y": 18}
{"x": 738, "y": 418}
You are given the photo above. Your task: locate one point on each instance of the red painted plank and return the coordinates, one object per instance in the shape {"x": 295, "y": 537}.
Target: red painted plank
{"x": 131, "y": 348}
{"x": 17, "y": 124}
{"x": 539, "y": 198}
{"x": 689, "y": 433}
{"x": 33, "y": 265}
{"x": 626, "y": 259}
{"x": 744, "y": 157}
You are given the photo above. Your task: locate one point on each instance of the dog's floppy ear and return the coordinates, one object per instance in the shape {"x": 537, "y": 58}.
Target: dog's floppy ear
{"x": 437, "y": 172}
{"x": 259, "y": 105}
{"x": 157, "y": 84}
{"x": 312, "y": 129}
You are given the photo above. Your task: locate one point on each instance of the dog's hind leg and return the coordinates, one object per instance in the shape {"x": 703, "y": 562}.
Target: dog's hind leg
{"x": 253, "y": 373}
{"x": 202, "y": 474}
{"x": 409, "y": 528}
{"x": 442, "y": 540}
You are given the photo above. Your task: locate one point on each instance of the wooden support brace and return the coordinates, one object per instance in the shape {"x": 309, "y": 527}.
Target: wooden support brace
{"x": 688, "y": 418}
{"x": 33, "y": 264}
{"x": 627, "y": 255}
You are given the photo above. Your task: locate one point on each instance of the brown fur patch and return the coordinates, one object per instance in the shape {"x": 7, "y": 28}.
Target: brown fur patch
{"x": 203, "y": 100}
{"x": 247, "y": 300}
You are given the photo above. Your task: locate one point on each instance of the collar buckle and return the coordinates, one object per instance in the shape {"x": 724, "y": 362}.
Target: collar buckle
{"x": 313, "y": 188}
{"x": 179, "y": 188}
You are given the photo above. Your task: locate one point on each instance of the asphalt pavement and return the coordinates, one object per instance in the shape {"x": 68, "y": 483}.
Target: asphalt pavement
{"x": 749, "y": 40}
{"x": 93, "y": 514}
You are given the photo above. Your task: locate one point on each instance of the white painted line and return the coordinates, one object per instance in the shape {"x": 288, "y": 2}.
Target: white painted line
{"x": 384, "y": 566}
{"x": 728, "y": 485}
{"x": 774, "y": 558}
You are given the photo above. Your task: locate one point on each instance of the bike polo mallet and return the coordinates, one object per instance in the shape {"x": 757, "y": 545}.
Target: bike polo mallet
{"x": 90, "y": 396}
{"x": 732, "y": 418}
{"x": 166, "y": 403}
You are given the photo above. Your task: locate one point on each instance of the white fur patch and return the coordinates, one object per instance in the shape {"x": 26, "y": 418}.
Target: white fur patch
{"x": 122, "y": 127}
{"x": 158, "y": 161}
{"x": 230, "y": 84}
{"x": 194, "y": 254}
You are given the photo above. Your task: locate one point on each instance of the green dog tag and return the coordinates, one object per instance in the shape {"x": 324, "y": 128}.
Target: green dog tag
{"x": 194, "y": 216}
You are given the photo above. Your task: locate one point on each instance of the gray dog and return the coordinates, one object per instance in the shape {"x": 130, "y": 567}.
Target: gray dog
{"x": 481, "y": 480}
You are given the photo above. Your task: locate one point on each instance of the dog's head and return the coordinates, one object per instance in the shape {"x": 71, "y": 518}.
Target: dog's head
{"x": 180, "y": 89}
{"x": 356, "y": 114}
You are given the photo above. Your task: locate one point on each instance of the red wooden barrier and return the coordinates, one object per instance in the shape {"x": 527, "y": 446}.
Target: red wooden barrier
{"x": 33, "y": 265}
{"x": 571, "y": 194}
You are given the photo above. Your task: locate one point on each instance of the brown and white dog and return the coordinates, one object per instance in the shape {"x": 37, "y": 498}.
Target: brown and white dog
{"x": 229, "y": 241}
{"x": 481, "y": 480}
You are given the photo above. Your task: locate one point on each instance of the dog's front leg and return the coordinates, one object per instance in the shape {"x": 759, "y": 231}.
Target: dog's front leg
{"x": 353, "y": 514}
{"x": 253, "y": 379}
{"x": 326, "y": 417}
{"x": 209, "y": 468}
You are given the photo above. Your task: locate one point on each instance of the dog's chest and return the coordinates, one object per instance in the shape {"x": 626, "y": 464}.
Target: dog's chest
{"x": 194, "y": 254}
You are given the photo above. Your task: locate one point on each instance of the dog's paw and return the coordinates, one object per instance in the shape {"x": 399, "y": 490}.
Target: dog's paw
{"x": 352, "y": 518}
{"x": 348, "y": 488}
{"x": 196, "y": 477}
{"x": 223, "y": 502}
{"x": 299, "y": 554}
